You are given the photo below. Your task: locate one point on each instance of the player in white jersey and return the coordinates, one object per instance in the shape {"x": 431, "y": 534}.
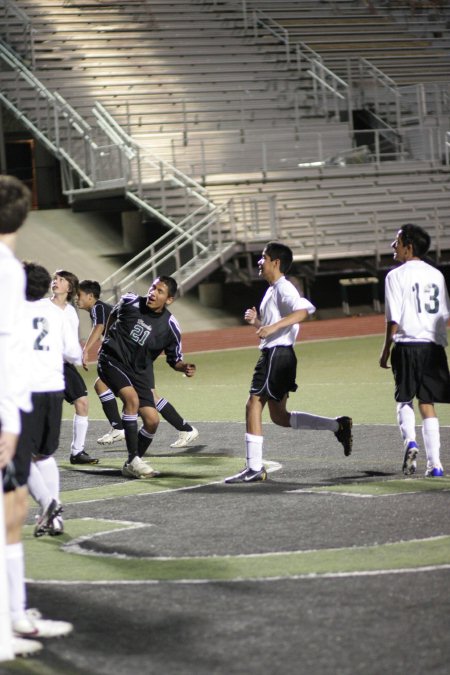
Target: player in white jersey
{"x": 15, "y": 202}
{"x": 15, "y": 370}
{"x": 54, "y": 342}
{"x": 64, "y": 291}
{"x": 417, "y": 309}
{"x": 49, "y": 338}
{"x": 281, "y": 312}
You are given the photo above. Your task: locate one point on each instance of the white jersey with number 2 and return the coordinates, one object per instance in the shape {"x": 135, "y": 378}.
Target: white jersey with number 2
{"x": 416, "y": 299}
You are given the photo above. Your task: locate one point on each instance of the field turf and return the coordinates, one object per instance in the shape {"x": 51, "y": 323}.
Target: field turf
{"x": 335, "y": 565}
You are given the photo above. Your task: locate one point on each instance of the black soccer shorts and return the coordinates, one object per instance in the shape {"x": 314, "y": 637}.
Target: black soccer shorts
{"x": 75, "y": 386}
{"x": 275, "y": 372}
{"x": 420, "y": 371}
{"x": 117, "y": 376}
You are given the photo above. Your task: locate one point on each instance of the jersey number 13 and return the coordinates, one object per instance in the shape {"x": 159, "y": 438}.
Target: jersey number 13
{"x": 429, "y": 296}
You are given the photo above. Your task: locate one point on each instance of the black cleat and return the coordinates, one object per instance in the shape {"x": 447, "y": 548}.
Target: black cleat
{"x": 344, "y": 434}
{"x": 44, "y": 523}
{"x": 248, "y": 476}
{"x": 82, "y": 458}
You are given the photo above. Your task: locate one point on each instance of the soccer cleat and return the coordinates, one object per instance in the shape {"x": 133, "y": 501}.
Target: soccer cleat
{"x": 184, "y": 438}
{"x": 44, "y": 522}
{"x": 344, "y": 434}
{"x": 113, "y": 436}
{"x": 409, "y": 461}
{"x": 137, "y": 468}
{"x": 57, "y": 527}
{"x": 23, "y": 647}
{"x": 82, "y": 458}
{"x": 34, "y": 626}
{"x": 434, "y": 472}
{"x": 248, "y": 476}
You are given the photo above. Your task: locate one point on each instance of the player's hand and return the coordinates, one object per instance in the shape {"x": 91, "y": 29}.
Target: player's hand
{"x": 384, "y": 358}
{"x": 84, "y": 360}
{"x": 8, "y": 442}
{"x": 251, "y": 315}
{"x": 189, "y": 369}
{"x": 265, "y": 331}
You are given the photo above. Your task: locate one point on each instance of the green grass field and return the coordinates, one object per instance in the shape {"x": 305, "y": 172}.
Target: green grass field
{"x": 335, "y": 377}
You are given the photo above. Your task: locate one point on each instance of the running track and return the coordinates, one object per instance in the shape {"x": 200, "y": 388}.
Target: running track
{"x": 244, "y": 336}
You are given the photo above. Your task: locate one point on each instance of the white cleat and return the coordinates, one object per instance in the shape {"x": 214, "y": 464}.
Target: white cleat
{"x": 23, "y": 647}
{"x": 34, "y": 626}
{"x": 185, "y": 438}
{"x": 113, "y": 436}
{"x": 138, "y": 469}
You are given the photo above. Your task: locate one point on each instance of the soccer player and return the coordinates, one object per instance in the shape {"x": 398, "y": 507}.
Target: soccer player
{"x": 417, "y": 309}
{"x": 15, "y": 405}
{"x": 140, "y": 329}
{"x": 15, "y": 201}
{"x": 281, "y": 311}
{"x": 64, "y": 288}
{"x": 54, "y": 343}
{"x": 89, "y": 299}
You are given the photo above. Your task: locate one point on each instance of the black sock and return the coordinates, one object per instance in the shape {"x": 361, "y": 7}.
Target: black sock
{"x": 111, "y": 409}
{"x": 130, "y": 426}
{"x": 144, "y": 440}
{"x": 166, "y": 410}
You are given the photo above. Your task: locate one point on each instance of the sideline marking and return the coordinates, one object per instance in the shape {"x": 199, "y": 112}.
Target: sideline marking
{"x": 386, "y": 488}
{"x": 177, "y": 474}
{"x": 48, "y": 555}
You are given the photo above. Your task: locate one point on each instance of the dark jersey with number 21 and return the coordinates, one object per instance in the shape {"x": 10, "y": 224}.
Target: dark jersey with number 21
{"x": 139, "y": 335}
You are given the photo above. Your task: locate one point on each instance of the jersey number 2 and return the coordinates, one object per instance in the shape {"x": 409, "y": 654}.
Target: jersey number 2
{"x": 40, "y": 324}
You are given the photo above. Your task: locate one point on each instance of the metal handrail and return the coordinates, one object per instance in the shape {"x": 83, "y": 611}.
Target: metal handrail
{"x": 23, "y": 46}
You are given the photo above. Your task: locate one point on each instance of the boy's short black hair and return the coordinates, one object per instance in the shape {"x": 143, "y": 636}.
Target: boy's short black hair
{"x": 417, "y": 237}
{"x": 171, "y": 284}
{"x": 15, "y": 202}
{"x": 281, "y": 252}
{"x": 89, "y": 286}
{"x": 38, "y": 281}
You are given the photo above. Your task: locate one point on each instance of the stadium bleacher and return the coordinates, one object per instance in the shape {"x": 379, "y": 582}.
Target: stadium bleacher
{"x": 202, "y": 86}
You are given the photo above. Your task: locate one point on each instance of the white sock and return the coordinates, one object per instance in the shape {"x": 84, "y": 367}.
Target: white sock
{"x": 38, "y": 488}
{"x": 80, "y": 427}
{"x": 254, "y": 450}
{"x": 406, "y": 421}
{"x": 301, "y": 420}
{"x": 49, "y": 471}
{"x": 16, "y": 580}
{"x": 432, "y": 441}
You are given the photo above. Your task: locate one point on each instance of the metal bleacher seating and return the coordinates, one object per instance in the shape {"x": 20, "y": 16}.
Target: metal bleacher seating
{"x": 207, "y": 89}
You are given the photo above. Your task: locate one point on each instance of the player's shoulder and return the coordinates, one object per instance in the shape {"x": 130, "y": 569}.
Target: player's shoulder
{"x": 126, "y": 301}
{"x": 172, "y": 321}
{"x": 130, "y": 299}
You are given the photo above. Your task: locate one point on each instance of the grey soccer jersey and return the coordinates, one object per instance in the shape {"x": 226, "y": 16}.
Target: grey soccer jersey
{"x": 138, "y": 335}
{"x": 100, "y": 314}
{"x": 416, "y": 299}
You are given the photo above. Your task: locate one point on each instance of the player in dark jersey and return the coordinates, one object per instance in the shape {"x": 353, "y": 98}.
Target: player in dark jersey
{"x": 139, "y": 329}
{"x": 89, "y": 299}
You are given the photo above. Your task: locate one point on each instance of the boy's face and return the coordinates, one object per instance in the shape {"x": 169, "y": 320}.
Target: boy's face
{"x": 267, "y": 267}
{"x": 401, "y": 252}
{"x": 60, "y": 285}
{"x": 158, "y": 296}
{"x": 85, "y": 300}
